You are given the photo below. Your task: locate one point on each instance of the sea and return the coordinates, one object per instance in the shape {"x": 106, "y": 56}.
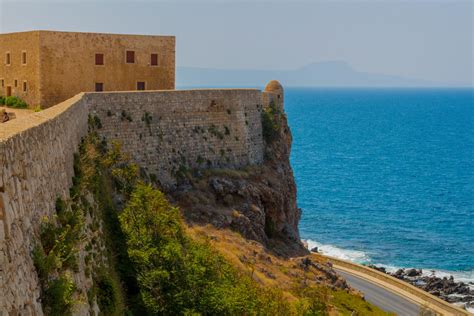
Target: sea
{"x": 386, "y": 176}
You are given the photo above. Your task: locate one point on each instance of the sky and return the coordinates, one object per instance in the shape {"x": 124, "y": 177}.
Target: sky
{"x": 428, "y": 40}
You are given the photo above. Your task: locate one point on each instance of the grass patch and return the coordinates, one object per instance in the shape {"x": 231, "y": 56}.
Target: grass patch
{"x": 346, "y": 304}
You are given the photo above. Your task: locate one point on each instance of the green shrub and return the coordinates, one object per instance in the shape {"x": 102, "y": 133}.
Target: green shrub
{"x": 270, "y": 123}
{"x": 106, "y": 292}
{"x": 58, "y": 298}
{"x": 56, "y": 254}
{"x": 178, "y": 275}
{"x": 2, "y": 100}
{"x": 94, "y": 122}
{"x": 15, "y": 102}
{"x": 44, "y": 264}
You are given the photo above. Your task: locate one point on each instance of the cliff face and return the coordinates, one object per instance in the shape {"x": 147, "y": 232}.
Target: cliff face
{"x": 258, "y": 201}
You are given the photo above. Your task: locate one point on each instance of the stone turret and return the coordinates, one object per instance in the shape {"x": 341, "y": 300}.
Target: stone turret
{"x": 274, "y": 86}
{"x": 274, "y": 92}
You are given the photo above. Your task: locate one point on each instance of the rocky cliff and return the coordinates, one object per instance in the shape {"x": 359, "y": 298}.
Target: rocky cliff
{"x": 257, "y": 201}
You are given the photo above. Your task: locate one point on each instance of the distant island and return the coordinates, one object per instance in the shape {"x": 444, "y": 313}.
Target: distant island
{"x": 320, "y": 74}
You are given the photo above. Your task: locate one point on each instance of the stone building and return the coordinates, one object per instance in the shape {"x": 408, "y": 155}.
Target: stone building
{"x": 47, "y": 67}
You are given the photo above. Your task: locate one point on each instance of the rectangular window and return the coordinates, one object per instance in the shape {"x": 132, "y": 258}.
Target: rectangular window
{"x": 99, "y": 59}
{"x": 130, "y": 57}
{"x": 154, "y": 59}
{"x": 24, "y": 86}
{"x": 140, "y": 85}
{"x": 23, "y": 58}
{"x": 99, "y": 86}
{"x": 7, "y": 59}
{"x": 16, "y": 83}
{"x": 3, "y": 82}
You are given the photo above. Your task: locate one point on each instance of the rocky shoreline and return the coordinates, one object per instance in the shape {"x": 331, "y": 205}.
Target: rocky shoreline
{"x": 459, "y": 293}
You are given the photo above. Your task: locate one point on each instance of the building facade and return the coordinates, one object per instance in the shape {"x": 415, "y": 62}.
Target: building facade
{"x": 47, "y": 67}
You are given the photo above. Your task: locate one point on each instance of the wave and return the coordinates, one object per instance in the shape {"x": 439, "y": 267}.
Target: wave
{"x": 361, "y": 257}
{"x": 336, "y": 252}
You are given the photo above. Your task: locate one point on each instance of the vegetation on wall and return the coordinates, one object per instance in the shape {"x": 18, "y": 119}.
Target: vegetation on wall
{"x": 55, "y": 257}
{"x": 147, "y": 118}
{"x": 271, "y": 122}
{"x": 105, "y": 171}
{"x": 125, "y": 116}
{"x": 56, "y": 254}
{"x": 213, "y": 129}
{"x": 94, "y": 121}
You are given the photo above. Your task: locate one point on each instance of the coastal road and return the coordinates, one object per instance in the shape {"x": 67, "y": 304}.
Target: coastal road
{"x": 381, "y": 297}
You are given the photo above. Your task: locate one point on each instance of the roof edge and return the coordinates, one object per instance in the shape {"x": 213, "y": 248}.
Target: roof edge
{"x": 87, "y": 33}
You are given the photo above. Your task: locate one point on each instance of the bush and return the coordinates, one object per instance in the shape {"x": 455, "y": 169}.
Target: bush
{"x": 271, "y": 123}
{"x": 178, "y": 275}
{"x": 56, "y": 255}
{"x": 15, "y": 102}
{"x": 107, "y": 293}
{"x": 313, "y": 300}
{"x": 58, "y": 298}
{"x": 2, "y": 100}
{"x": 94, "y": 122}
{"x": 44, "y": 264}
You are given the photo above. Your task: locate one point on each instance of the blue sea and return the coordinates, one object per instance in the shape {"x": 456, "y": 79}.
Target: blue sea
{"x": 386, "y": 176}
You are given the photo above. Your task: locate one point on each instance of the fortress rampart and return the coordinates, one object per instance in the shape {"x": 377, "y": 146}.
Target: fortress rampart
{"x": 163, "y": 131}
{"x": 36, "y": 166}
{"x": 169, "y": 131}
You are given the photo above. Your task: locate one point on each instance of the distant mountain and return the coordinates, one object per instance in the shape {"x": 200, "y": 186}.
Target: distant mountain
{"x": 331, "y": 73}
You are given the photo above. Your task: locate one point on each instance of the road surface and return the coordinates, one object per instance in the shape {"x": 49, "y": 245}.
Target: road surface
{"x": 385, "y": 299}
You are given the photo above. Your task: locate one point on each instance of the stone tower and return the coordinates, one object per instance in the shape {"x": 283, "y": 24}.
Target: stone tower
{"x": 274, "y": 93}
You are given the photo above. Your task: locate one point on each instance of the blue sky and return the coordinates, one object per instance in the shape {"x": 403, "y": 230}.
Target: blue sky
{"x": 429, "y": 40}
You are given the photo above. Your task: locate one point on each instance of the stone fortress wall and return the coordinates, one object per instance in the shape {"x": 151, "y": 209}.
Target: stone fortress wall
{"x": 36, "y": 166}
{"x": 161, "y": 130}
{"x": 169, "y": 131}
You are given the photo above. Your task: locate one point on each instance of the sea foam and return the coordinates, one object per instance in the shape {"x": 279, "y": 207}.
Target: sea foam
{"x": 361, "y": 257}
{"x": 336, "y": 252}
